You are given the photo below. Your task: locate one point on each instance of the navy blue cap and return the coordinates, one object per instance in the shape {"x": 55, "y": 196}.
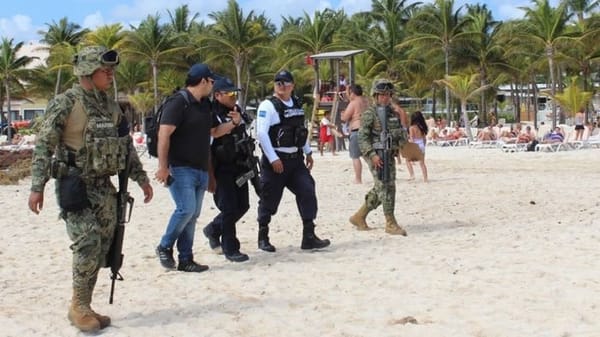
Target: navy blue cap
{"x": 285, "y": 76}
{"x": 201, "y": 70}
{"x": 224, "y": 84}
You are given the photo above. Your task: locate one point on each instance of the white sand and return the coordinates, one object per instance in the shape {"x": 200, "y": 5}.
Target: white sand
{"x": 500, "y": 244}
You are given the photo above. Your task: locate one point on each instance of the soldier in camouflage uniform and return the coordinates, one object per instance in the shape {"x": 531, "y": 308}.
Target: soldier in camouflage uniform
{"x": 84, "y": 140}
{"x": 368, "y": 139}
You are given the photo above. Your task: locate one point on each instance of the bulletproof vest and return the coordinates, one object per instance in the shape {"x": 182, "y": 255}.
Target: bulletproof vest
{"x": 91, "y": 139}
{"x": 394, "y": 125}
{"x": 228, "y": 148}
{"x": 291, "y": 130}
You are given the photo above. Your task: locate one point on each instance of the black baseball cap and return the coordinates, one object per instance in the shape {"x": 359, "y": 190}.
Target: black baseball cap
{"x": 224, "y": 84}
{"x": 284, "y": 76}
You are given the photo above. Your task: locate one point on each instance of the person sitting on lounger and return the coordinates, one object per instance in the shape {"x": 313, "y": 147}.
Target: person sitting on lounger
{"x": 487, "y": 134}
{"x": 555, "y": 136}
{"x": 527, "y": 136}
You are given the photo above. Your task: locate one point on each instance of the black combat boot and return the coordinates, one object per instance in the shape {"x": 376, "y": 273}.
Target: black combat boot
{"x": 263, "y": 239}
{"x": 310, "y": 239}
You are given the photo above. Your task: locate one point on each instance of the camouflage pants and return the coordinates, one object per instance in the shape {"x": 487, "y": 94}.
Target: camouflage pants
{"x": 382, "y": 193}
{"x": 91, "y": 231}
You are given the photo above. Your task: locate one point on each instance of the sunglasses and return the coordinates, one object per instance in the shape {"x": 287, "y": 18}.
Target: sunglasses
{"x": 229, "y": 93}
{"x": 283, "y": 84}
{"x": 109, "y": 58}
{"x": 384, "y": 86}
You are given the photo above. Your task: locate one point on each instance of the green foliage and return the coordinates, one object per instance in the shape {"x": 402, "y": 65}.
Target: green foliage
{"x": 413, "y": 43}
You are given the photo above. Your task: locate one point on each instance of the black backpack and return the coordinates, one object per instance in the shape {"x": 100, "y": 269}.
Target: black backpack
{"x": 152, "y": 123}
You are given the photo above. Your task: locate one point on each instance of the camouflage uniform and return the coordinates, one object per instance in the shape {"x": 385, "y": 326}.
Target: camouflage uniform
{"x": 368, "y": 137}
{"x": 83, "y": 130}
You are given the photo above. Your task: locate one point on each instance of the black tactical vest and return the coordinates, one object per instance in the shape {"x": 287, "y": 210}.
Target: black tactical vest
{"x": 291, "y": 130}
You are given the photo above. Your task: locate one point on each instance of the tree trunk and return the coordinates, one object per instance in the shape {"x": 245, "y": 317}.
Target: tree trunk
{"x": 433, "y": 102}
{"x": 549, "y": 54}
{"x": 463, "y": 107}
{"x": 155, "y": 85}
{"x": 447, "y": 91}
{"x": 238, "y": 78}
{"x": 57, "y": 87}
{"x": 9, "y": 117}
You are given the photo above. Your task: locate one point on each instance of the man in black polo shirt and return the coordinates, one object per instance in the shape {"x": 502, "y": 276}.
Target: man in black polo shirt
{"x": 183, "y": 164}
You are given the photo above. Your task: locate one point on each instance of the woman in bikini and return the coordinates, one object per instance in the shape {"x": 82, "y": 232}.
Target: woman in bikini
{"x": 416, "y": 134}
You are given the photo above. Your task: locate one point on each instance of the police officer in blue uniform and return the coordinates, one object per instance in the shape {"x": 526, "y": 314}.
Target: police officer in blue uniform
{"x": 230, "y": 152}
{"x": 283, "y": 139}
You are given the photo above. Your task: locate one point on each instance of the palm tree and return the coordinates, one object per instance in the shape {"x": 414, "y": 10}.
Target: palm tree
{"x": 438, "y": 27}
{"x": 63, "y": 36}
{"x": 12, "y": 70}
{"x": 581, "y": 7}
{"x": 486, "y": 49}
{"x": 236, "y": 37}
{"x": 546, "y": 26}
{"x": 464, "y": 87}
{"x": 133, "y": 77}
{"x": 388, "y": 30}
{"x": 573, "y": 99}
{"x": 156, "y": 44}
{"x": 40, "y": 82}
{"x": 142, "y": 102}
{"x": 180, "y": 19}
{"x": 313, "y": 35}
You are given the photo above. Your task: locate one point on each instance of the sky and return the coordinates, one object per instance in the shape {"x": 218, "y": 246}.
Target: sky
{"x": 22, "y": 19}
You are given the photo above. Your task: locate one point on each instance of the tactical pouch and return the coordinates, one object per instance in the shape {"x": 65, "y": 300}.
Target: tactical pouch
{"x": 72, "y": 193}
{"x": 107, "y": 155}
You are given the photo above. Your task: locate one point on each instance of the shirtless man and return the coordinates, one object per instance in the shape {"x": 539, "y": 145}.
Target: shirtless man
{"x": 358, "y": 104}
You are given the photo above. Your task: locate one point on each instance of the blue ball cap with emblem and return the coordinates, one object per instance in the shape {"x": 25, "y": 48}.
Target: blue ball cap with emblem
{"x": 284, "y": 76}
{"x": 224, "y": 84}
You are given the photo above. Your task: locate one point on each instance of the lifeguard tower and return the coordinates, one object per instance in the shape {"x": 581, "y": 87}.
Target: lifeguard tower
{"x": 329, "y": 94}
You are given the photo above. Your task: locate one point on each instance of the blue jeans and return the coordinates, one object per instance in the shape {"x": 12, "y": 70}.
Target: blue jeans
{"x": 187, "y": 190}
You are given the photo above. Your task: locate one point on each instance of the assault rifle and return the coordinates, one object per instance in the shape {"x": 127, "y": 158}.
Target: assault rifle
{"x": 246, "y": 147}
{"x": 384, "y": 146}
{"x": 114, "y": 257}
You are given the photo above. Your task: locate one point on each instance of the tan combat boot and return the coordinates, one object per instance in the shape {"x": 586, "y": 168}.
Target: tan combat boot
{"x": 80, "y": 313}
{"x": 104, "y": 320}
{"x": 391, "y": 226}
{"x": 359, "y": 219}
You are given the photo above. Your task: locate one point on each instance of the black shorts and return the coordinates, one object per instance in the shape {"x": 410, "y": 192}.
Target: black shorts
{"x": 579, "y": 127}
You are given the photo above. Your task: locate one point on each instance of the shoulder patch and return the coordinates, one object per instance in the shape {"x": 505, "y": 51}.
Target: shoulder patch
{"x": 262, "y": 113}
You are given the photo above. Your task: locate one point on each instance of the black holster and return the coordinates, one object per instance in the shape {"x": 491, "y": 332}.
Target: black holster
{"x": 72, "y": 193}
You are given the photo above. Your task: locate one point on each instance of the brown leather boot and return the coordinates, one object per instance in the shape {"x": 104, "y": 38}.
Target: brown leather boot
{"x": 104, "y": 320}
{"x": 80, "y": 313}
{"x": 391, "y": 226}
{"x": 359, "y": 219}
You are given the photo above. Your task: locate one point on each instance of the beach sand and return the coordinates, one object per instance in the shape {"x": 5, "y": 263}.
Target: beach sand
{"x": 499, "y": 244}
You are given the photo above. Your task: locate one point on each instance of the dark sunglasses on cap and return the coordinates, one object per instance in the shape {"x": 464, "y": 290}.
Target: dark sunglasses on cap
{"x": 384, "y": 86}
{"x": 109, "y": 58}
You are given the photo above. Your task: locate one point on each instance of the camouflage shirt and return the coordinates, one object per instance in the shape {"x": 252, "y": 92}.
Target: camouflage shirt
{"x": 51, "y": 135}
{"x": 370, "y": 131}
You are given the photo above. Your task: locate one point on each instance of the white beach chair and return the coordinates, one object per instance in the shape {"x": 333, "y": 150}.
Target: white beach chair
{"x": 592, "y": 141}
